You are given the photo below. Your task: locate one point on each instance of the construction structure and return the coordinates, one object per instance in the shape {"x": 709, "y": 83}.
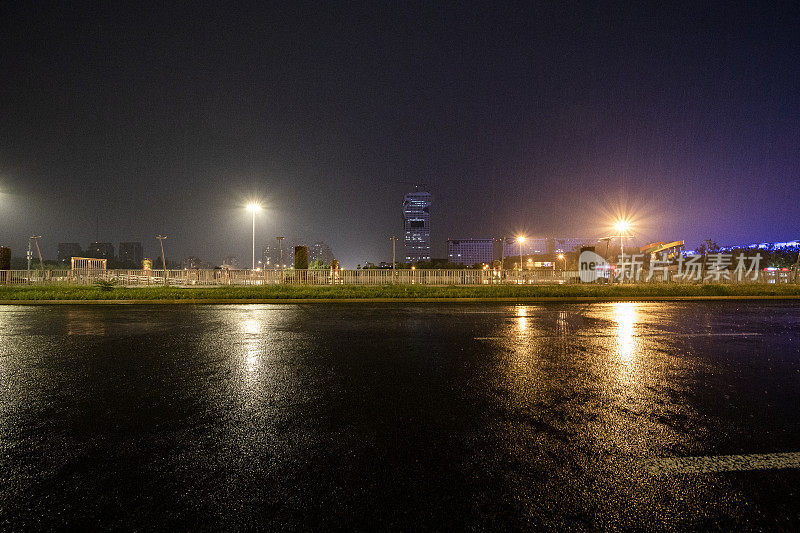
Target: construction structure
{"x": 656, "y": 249}
{"x": 88, "y": 263}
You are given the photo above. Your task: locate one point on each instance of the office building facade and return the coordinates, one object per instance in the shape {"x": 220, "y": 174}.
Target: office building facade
{"x": 130, "y": 254}
{"x": 417, "y": 227}
{"x": 320, "y": 251}
{"x": 544, "y": 245}
{"x": 470, "y": 251}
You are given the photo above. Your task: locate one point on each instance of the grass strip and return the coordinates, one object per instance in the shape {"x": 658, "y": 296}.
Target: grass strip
{"x": 289, "y": 292}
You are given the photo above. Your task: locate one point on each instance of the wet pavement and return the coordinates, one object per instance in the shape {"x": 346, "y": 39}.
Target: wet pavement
{"x": 427, "y": 416}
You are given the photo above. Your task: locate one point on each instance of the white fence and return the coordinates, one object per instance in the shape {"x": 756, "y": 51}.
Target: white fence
{"x": 188, "y": 278}
{"x": 285, "y": 277}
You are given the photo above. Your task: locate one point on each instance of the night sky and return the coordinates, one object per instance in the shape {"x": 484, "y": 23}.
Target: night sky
{"x": 120, "y": 121}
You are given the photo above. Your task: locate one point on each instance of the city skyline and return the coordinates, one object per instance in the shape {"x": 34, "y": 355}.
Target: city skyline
{"x": 545, "y": 121}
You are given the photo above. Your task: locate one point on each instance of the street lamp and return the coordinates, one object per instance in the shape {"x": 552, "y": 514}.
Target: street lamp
{"x": 254, "y": 208}
{"x": 394, "y": 256}
{"x": 563, "y": 258}
{"x": 520, "y": 240}
{"x": 163, "y": 257}
{"x": 622, "y": 226}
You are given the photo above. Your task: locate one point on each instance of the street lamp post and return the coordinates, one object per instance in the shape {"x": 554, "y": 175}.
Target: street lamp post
{"x": 254, "y": 208}
{"x": 163, "y": 257}
{"x": 520, "y": 240}
{"x": 394, "y": 256}
{"x": 622, "y": 226}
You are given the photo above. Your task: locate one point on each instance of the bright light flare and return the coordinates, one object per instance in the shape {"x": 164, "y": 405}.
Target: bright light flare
{"x": 622, "y": 226}
{"x": 253, "y": 208}
{"x": 520, "y": 239}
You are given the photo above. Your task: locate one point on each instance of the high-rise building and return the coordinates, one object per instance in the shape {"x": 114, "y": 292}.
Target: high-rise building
{"x": 270, "y": 256}
{"x": 319, "y": 251}
{"x": 277, "y": 255}
{"x": 470, "y": 251}
{"x": 417, "y": 226}
{"x": 5, "y": 261}
{"x": 130, "y": 254}
{"x": 100, "y": 250}
{"x": 68, "y": 250}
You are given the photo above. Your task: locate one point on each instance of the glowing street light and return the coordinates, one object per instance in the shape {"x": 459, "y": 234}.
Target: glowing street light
{"x": 520, "y": 240}
{"x": 562, "y": 257}
{"x": 254, "y": 208}
{"x": 623, "y": 226}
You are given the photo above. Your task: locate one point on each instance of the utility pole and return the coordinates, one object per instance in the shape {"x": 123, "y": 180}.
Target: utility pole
{"x": 280, "y": 251}
{"x": 30, "y": 255}
{"x": 394, "y": 257}
{"x": 607, "y": 239}
{"x": 35, "y": 239}
{"x": 163, "y": 256}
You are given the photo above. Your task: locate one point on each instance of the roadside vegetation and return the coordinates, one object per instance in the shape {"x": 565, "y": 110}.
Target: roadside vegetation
{"x": 288, "y": 292}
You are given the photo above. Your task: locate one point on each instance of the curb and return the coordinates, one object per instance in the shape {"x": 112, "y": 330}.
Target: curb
{"x": 533, "y": 299}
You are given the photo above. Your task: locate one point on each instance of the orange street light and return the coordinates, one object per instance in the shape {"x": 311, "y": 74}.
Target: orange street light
{"x": 254, "y": 208}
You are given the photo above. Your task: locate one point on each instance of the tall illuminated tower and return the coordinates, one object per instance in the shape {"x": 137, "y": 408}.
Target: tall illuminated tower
{"x": 417, "y": 226}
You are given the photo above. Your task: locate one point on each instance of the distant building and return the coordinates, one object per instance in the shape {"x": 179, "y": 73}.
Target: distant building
{"x": 130, "y": 254}
{"x": 277, "y": 256}
{"x": 68, "y": 250}
{"x": 417, "y": 226}
{"x": 470, "y": 251}
{"x": 5, "y": 261}
{"x": 269, "y": 257}
{"x": 282, "y": 256}
{"x": 100, "y": 250}
{"x": 571, "y": 244}
{"x": 192, "y": 263}
{"x": 764, "y": 246}
{"x": 231, "y": 262}
{"x": 319, "y": 251}
{"x": 544, "y": 245}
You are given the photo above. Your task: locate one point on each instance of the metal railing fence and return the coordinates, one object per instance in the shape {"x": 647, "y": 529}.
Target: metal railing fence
{"x": 217, "y": 277}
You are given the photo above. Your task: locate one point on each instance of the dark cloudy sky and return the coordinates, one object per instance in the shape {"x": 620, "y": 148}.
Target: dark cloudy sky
{"x": 123, "y": 120}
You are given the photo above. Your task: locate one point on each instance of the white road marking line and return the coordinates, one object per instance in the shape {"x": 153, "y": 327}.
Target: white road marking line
{"x": 723, "y": 463}
{"x": 717, "y": 335}
{"x": 671, "y": 335}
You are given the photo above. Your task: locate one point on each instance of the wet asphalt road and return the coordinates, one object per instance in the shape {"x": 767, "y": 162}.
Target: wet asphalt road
{"x": 428, "y": 416}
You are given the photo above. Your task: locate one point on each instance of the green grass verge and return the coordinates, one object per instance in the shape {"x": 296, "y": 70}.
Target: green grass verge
{"x": 288, "y": 292}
